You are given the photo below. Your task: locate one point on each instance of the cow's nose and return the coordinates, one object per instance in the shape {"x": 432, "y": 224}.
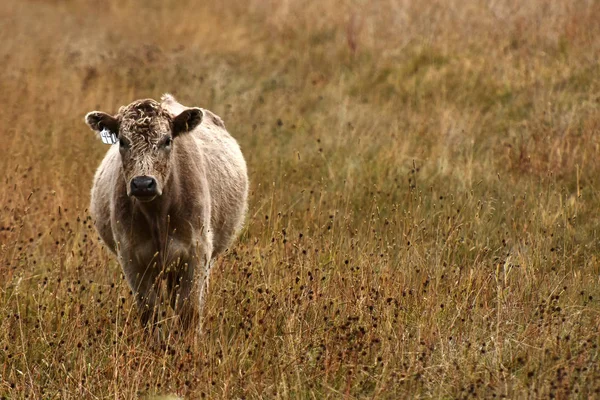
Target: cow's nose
{"x": 144, "y": 186}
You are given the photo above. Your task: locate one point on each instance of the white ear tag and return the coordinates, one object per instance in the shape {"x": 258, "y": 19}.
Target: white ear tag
{"x": 108, "y": 137}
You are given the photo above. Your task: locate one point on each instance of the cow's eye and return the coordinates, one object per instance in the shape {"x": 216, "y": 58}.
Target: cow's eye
{"x": 123, "y": 143}
{"x": 168, "y": 142}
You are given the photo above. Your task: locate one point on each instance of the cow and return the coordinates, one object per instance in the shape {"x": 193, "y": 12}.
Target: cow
{"x": 169, "y": 197}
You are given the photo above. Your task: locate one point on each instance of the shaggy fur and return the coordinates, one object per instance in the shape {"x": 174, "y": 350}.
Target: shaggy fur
{"x": 203, "y": 185}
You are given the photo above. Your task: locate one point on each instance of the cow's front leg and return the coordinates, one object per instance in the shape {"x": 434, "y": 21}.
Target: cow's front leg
{"x": 187, "y": 285}
{"x": 203, "y": 281}
{"x": 144, "y": 283}
{"x": 181, "y": 285}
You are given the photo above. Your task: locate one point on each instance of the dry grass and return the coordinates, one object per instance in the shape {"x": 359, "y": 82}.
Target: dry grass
{"x": 423, "y": 207}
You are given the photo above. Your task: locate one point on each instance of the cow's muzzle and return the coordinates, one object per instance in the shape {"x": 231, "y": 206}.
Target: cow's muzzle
{"x": 144, "y": 188}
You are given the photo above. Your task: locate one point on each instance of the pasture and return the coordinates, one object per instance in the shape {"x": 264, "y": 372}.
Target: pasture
{"x": 424, "y": 198}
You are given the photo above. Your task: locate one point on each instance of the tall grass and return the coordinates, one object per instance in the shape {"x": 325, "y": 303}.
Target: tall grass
{"x": 423, "y": 201}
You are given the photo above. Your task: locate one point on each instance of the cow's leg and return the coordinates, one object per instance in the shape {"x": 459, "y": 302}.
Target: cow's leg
{"x": 144, "y": 284}
{"x": 173, "y": 286}
{"x": 181, "y": 285}
{"x": 204, "y": 282}
{"x": 188, "y": 286}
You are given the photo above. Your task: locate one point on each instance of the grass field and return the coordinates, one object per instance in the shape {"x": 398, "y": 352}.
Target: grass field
{"x": 423, "y": 208}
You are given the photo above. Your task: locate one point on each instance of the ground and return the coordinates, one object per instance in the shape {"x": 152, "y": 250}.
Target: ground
{"x": 423, "y": 207}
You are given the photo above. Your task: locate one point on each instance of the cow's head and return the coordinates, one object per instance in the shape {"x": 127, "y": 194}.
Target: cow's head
{"x": 146, "y": 135}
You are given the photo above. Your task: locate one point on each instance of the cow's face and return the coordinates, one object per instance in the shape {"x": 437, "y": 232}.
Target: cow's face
{"x": 146, "y": 135}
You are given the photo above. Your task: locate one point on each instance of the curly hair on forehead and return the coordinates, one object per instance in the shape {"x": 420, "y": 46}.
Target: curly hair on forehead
{"x": 142, "y": 114}
{"x": 143, "y": 108}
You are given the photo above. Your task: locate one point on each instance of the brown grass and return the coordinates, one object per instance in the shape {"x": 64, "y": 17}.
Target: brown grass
{"x": 423, "y": 207}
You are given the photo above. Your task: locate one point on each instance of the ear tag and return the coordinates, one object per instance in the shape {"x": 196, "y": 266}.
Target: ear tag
{"x": 108, "y": 137}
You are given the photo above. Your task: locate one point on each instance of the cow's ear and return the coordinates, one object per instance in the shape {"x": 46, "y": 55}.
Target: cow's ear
{"x": 187, "y": 121}
{"x": 100, "y": 121}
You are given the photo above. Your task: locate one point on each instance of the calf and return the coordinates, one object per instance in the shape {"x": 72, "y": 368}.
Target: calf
{"x": 169, "y": 196}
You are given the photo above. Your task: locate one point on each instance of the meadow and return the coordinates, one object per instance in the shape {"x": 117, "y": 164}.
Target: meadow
{"x": 423, "y": 207}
